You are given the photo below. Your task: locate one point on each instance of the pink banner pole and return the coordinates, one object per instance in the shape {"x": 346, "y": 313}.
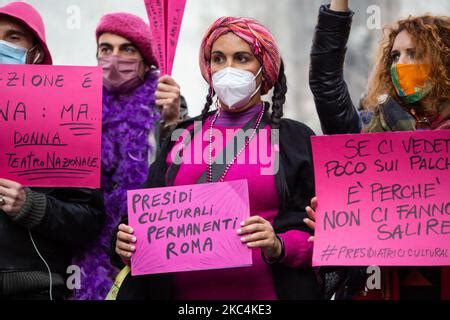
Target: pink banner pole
{"x": 157, "y": 17}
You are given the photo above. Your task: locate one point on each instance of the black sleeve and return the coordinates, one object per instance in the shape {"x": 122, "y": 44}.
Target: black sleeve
{"x": 297, "y": 170}
{"x": 72, "y": 216}
{"x": 334, "y": 106}
{"x": 184, "y": 113}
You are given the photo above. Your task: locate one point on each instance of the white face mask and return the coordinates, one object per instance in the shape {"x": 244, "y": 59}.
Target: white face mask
{"x": 235, "y": 87}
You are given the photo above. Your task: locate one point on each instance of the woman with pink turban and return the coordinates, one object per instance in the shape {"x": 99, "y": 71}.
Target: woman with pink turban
{"x": 241, "y": 62}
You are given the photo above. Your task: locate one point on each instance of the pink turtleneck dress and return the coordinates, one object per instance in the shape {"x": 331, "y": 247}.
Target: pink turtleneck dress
{"x": 247, "y": 283}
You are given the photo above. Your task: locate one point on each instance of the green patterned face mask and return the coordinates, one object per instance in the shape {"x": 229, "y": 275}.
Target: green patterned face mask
{"x": 411, "y": 81}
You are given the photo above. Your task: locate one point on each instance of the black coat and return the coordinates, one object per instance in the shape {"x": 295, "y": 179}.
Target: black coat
{"x": 295, "y": 185}
{"x": 73, "y": 217}
{"x": 337, "y": 115}
{"x": 334, "y": 105}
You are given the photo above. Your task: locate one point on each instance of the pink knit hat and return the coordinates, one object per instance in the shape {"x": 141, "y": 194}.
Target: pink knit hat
{"x": 132, "y": 28}
{"x": 26, "y": 14}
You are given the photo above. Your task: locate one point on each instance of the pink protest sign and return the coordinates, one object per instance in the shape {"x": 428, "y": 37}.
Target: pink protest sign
{"x": 383, "y": 199}
{"x": 165, "y": 18}
{"x": 189, "y": 228}
{"x": 50, "y": 123}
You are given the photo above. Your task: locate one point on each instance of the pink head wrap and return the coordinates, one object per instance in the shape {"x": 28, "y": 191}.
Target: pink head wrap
{"x": 256, "y": 35}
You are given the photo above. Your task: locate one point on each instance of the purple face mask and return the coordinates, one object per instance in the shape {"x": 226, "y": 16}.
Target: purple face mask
{"x": 120, "y": 75}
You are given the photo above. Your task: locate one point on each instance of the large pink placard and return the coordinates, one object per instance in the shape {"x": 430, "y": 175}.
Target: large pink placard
{"x": 187, "y": 228}
{"x": 384, "y": 199}
{"x": 50, "y": 124}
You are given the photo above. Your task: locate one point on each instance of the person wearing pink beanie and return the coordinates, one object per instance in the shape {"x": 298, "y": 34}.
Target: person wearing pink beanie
{"x": 125, "y": 53}
{"x": 139, "y": 109}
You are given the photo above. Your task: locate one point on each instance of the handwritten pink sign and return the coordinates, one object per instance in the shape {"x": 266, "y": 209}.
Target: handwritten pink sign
{"x": 187, "y": 228}
{"x": 50, "y": 123}
{"x": 383, "y": 199}
{"x": 165, "y": 18}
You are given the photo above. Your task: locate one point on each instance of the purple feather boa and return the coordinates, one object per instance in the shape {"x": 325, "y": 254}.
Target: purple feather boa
{"x": 128, "y": 120}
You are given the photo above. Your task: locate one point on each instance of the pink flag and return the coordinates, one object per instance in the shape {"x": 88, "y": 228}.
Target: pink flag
{"x": 50, "y": 124}
{"x": 165, "y": 18}
{"x": 156, "y": 11}
{"x": 175, "y": 14}
{"x": 383, "y": 199}
{"x": 188, "y": 228}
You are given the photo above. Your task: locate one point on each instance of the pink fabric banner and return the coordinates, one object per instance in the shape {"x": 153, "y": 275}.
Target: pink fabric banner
{"x": 187, "y": 228}
{"x": 50, "y": 123}
{"x": 165, "y": 18}
{"x": 383, "y": 199}
{"x": 156, "y": 11}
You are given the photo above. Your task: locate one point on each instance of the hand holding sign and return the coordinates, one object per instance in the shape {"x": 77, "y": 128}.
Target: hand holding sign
{"x": 311, "y": 220}
{"x": 165, "y": 18}
{"x": 125, "y": 243}
{"x": 168, "y": 98}
{"x": 13, "y": 196}
{"x": 257, "y": 232}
